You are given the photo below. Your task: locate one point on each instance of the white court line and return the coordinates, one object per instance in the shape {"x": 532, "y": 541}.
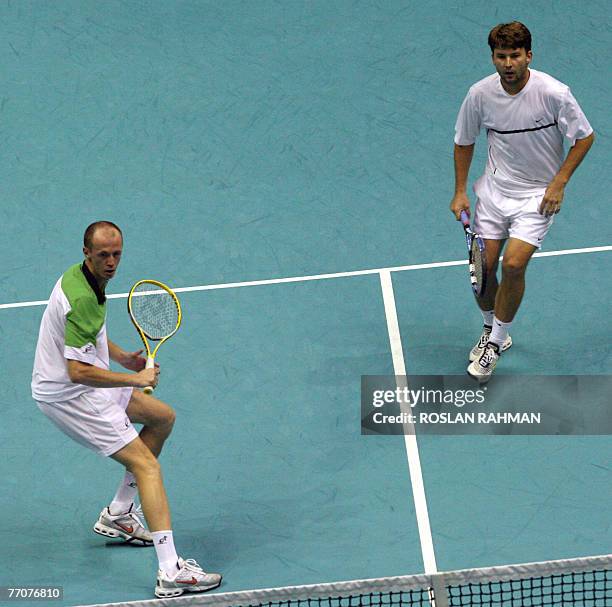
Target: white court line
{"x": 276, "y": 281}
{"x": 412, "y": 449}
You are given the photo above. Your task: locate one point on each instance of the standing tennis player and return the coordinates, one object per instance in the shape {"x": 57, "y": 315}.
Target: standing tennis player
{"x": 528, "y": 115}
{"x": 74, "y": 387}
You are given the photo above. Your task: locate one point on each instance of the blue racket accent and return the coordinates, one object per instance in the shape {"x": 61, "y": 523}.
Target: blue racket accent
{"x": 476, "y": 252}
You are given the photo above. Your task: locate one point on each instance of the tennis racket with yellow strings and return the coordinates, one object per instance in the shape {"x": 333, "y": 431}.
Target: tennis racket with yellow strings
{"x": 156, "y": 313}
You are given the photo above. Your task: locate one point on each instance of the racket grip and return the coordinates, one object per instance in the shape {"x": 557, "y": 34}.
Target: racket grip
{"x": 465, "y": 218}
{"x": 150, "y": 365}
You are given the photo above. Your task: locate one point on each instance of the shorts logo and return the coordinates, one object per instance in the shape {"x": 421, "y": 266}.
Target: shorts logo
{"x": 127, "y": 422}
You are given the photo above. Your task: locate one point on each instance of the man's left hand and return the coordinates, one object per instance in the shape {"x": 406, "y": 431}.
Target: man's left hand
{"x": 133, "y": 361}
{"x": 553, "y": 197}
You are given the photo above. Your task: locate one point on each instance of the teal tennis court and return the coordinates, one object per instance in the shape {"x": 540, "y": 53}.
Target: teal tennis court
{"x": 287, "y": 166}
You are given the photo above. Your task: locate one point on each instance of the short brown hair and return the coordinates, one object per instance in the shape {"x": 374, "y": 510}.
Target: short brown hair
{"x": 89, "y": 232}
{"x": 510, "y": 35}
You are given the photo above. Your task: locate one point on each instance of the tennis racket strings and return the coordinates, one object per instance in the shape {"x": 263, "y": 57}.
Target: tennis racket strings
{"x": 476, "y": 252}
{"x": 476, "y": 259}
{"x": 155, "y": 311}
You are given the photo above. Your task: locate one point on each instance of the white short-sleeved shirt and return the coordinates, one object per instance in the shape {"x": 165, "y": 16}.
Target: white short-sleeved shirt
{"x": 73, "y": 327}
{"x": 525, "y": 132}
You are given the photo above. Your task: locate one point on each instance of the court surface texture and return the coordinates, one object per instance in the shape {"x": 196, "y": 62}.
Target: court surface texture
{"x": 293, "y": 159}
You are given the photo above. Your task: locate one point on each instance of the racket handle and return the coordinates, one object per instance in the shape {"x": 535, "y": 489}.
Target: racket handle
{"x": 150, "y": 365}
{"x": 465, "y": 218}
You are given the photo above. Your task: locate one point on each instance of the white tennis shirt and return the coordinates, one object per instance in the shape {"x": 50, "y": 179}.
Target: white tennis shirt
{"x": 525, "y": 132}
{"x": 73, "y": 327}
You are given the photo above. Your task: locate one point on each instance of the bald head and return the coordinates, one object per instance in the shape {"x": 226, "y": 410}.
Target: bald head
{"x": 107, "y": 226}
{"x": 102, "y": 247}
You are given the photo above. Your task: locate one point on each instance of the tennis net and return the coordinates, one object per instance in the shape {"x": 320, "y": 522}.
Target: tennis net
{"x": 582, "y": 582}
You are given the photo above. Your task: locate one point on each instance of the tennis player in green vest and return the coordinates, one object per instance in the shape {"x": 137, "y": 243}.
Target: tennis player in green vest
{"x": 74, "y": 387}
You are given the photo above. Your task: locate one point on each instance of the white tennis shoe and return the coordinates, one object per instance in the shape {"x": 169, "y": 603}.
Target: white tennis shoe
{"x": 481, "y": 344}
{"x": 482, "y": 369}
{"x": 128, "y": 526}
{"x": 190, "y": 578}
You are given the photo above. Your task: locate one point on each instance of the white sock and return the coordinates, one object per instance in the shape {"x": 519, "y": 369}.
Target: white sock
{"x": 487, "y": 317}
{"x": 126, "y": 492}
{"x": 166, "y": 553}
{"x": 499, "y": 332}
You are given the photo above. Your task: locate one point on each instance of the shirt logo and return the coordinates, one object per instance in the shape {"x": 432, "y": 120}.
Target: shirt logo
{"x": 88, "y": 349}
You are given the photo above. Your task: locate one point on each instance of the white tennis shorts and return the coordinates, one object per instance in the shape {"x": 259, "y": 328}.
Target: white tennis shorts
{"x": 498, "y": 217}
{"x": 95, "y": 419}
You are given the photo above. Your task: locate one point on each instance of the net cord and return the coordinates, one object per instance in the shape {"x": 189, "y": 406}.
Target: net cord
{"x": 422, "y": 582}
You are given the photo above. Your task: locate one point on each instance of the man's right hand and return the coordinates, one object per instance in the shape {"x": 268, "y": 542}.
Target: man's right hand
{"x": 460, "y": 202}
{"x": 147, "y": 377}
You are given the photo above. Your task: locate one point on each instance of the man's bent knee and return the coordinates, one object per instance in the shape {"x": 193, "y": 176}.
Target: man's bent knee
{"x": 163, "y": 422}
{"x": 148, "y": 466}
{"x": 162, "y": 415}
{"x": 513, "y": 267}
{"x": 136, "y": 456}
{"x": 170, "y": 417}
{"x": 149, "y": 411}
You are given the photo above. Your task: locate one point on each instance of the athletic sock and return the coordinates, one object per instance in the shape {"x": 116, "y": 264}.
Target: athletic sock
{"x": 166, "y": 553}
{"x": 487, "y": 317}
{"x": 124, "y": 498}
{"x": 499, "y": 333}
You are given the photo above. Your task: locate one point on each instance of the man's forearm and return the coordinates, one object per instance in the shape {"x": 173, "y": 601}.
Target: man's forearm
{"x": 90, "y": 375}
{"x": 115, "y": 352}
{"x": 463, "y": 159}
{"x": 573, "y": 159}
